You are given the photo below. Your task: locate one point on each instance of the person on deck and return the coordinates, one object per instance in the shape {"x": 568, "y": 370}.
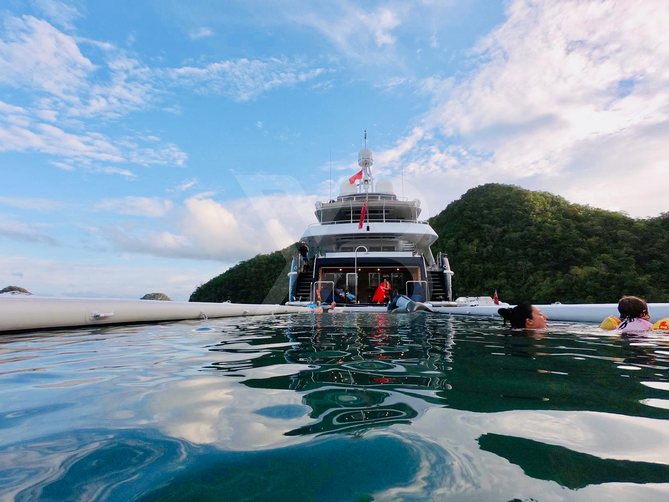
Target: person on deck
{"x": 303, "y": 249}
{"x": 382, "y": 293}
{"x": 524, "y": 315}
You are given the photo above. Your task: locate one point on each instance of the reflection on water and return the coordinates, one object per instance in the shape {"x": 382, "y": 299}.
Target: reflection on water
{"x": 417, "y": 405}
{"x": 569, "y": 468}
{"x": 365, "y": 361}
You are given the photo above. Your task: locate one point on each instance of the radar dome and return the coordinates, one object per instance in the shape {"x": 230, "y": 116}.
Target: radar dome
{"x": 346, "y": 188}
{"x": 384, "y": 186}
{"x": 365, "y": 158}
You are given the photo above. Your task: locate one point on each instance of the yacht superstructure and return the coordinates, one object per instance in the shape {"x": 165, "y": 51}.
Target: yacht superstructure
{"x": 367, "y": 236}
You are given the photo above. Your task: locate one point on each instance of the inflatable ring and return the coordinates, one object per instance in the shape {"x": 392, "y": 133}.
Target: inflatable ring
{"x": 611, "y": 322}
{"x": 662, "y": 324}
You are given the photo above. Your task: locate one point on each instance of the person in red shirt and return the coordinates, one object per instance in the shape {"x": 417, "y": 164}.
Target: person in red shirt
{"x": 382, "y": 293}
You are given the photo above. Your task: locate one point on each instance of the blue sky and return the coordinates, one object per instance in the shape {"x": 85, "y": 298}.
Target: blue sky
{"x": 148, "y": 146}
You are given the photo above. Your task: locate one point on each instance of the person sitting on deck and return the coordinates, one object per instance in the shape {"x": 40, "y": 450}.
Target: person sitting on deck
{"x": 382, "y": 293}
{"x": 342, "y": 296}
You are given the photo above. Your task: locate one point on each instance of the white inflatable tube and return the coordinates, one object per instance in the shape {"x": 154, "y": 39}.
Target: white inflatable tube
{"x": 19, "y": 312}
{"x": 562, "y": 312}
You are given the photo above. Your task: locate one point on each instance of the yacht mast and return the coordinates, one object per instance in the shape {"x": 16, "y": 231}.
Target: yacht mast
{"x": 365, "y": 161}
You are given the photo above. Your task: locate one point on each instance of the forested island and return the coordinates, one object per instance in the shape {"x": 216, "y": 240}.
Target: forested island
{"x": 524, "y": 244}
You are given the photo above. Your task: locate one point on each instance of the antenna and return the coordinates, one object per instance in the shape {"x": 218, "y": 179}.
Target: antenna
{"x": 330, "y": 174}
{"x": 365, "y": 161}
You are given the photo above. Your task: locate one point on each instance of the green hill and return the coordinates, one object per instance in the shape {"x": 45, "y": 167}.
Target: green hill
{"x": 539, "y": 247}
{"x": 527, "y": 245}
{"x": 262, "y": 279}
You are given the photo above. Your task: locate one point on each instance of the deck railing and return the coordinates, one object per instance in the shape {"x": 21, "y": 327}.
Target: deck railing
{"x": 322, "y": 291}
{"x": 417, "y": 290}
{"x": 371, "y": 220}
{"x": 363, "y": 196}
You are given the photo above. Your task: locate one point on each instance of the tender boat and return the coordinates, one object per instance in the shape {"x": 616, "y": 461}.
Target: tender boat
{"x": 368, "y": 238}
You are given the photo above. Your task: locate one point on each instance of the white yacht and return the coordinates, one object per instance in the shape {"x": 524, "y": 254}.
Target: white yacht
{"x": 366, "y": 236}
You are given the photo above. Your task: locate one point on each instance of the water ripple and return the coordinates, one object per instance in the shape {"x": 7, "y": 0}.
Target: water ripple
{"x": 124, "y": 412}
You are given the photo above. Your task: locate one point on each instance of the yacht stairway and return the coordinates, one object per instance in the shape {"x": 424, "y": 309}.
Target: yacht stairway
{"x": 435, "y": 279}
{"x": 304, "y": 281}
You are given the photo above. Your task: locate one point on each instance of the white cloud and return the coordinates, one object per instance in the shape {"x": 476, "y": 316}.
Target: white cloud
{"x": 137, "y": 206}
{"x": 29, "y": 135}
{"x": 62, "y": 14}
{"x": 74, "y": 80}
{"x": 22, "y": 132}
{"x": 566, "y": 97}
{"x": 11, "y": 110}
{"x": 37, "y": 204}
{"x": 46, "y": 115}
{"x": 165, "y": 154}
{"x": 113, "y": 170}
{"x": 131, "y": 86}
{"x": 244, "y": 79}
{"x": 385, "y": 21}
{"x": 65, "y": 166}
{"x": 203, "y": 228}
{"x": 16, "y": 230}
{"x": 202, "y": 32}
{"x": 186, "y": 185}
{"x": 629, "y": 172}
{"x": 35, "y": 55}
{"x": 355, "y": 31}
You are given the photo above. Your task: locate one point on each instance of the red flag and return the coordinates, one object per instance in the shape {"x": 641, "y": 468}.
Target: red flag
{"x": 356, "y": 176}
{"x": 363, "y": 213}
{"x": 495, "y": 298}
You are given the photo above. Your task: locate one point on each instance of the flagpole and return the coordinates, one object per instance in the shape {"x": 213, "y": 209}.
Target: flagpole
{"x": 369, "y": 173}
{"x": 367, "y": 213}
{"x": 365, "y": 162}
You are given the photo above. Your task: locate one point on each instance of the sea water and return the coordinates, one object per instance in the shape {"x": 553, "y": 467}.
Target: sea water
{"x": 334, "y": 406}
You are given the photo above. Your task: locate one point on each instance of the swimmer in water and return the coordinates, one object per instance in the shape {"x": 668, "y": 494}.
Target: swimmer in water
{"x": 634, "y": 315}
{"x": 524, "y": 315}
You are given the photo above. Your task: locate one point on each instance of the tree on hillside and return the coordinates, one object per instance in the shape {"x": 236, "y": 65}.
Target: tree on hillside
{"x": 537, "y": 246}
{"x": 262, "y": 279}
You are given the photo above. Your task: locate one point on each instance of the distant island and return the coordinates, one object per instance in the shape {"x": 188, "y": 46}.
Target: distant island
{"x": 14, "y": 290}
{"x": 156, "y": 296}
{"x": 527, "y": 245}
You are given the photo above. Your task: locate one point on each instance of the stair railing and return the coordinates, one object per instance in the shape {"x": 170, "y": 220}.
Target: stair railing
{"x": 415, "y": 290}
{"x": 292, "y": 278}
{"x": 321, "y": 291}
{"x": 428, "y": 291}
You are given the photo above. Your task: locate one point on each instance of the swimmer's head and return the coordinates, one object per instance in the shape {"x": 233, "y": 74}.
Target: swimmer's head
{"x": 632, "y": 307}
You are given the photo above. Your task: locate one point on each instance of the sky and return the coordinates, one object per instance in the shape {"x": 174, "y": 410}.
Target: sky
{"x": 149, "y": 146}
